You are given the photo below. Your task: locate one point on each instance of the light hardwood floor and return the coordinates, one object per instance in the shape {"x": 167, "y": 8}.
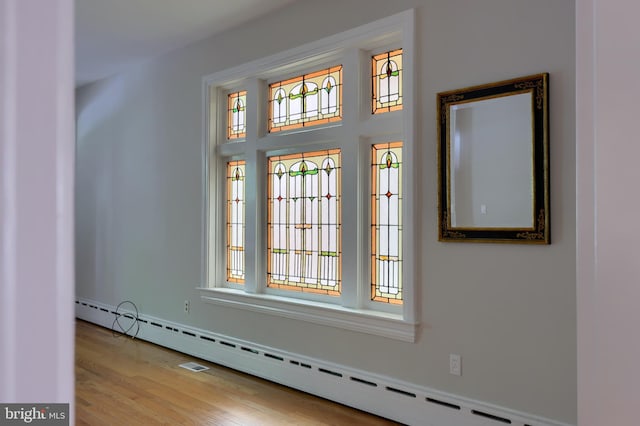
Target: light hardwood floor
{"x": 124, "y": 381}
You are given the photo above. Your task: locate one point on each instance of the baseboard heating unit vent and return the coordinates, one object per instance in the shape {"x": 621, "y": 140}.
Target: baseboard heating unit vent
{"x": 387, "y": 397}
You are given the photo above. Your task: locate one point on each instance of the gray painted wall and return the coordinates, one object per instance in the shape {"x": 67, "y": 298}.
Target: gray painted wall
{"x": 509, "y": 310}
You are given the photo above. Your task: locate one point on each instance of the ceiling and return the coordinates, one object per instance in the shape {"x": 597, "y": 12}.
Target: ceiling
{"x": 114, "y": 34}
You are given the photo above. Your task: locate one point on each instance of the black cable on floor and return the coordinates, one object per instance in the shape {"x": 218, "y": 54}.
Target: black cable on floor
{"x": 134, "y": 320}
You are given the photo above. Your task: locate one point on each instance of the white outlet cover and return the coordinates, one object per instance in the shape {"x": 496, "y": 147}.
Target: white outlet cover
{"x": 455, "y": 364}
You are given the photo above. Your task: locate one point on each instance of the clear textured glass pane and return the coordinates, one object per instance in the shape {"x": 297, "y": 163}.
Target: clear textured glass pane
{"x": 296, "y": 104}
{"x": 279, "y": 106}
{"x": 329, "y": 96}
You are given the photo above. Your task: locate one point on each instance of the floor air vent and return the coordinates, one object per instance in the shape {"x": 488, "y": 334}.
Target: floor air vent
{"x": 194, "y": 366}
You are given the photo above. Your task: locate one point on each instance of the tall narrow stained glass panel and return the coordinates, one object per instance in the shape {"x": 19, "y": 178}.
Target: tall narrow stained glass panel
{"x": 387, "y": 81}
{"x": 386, "y": 222}
{"x": 304, "y": 222}
{"x": 306, "y": 100}
{"x": 235, "y": 221}
{"x": 236, "y": 115}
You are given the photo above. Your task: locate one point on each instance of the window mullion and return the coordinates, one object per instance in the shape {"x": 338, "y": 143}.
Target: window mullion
{"x": 255, "y": 98}
{"x": 254, "y": 223}
{"x": 350, "y": 215}
{"x": 349, "y": 223}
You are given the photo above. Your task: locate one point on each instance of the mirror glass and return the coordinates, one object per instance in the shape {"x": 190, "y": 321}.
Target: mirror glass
{"x": 493, "y": 162}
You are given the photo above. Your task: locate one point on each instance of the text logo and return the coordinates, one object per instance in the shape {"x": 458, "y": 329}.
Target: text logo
{"x": 37, "y": 414}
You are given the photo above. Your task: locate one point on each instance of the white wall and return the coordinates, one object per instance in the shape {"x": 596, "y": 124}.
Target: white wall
{"x": 608, "y": 53}
{"x": 36, "y": 202}
{"x": 509, "y": 310}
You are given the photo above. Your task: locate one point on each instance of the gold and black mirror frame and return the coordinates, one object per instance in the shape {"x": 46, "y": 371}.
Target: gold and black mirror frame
{"x": 493, "y": 162}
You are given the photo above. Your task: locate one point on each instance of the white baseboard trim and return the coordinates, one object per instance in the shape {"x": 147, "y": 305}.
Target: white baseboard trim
{"x": 383, "y": 396}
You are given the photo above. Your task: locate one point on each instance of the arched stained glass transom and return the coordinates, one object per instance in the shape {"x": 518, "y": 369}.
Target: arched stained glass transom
{"x": 304, "y": 222}
{"x": 310, "y": 99}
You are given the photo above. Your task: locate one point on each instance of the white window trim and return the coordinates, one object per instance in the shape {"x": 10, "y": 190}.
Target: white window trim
{"x": 360, "y": 316}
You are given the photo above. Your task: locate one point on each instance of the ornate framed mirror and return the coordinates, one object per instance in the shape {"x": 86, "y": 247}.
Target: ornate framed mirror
{"x": 493, "y": 162}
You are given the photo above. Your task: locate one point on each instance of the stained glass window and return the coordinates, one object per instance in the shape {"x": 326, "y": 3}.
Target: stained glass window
{"x": 386, "y": 222}
{"x": 304, "y": 222}
{"x": 387, "y": 81}
{"x": 306, "y": 100}
{"x": 235, "y": 221}
{"x": 237, "y": 115}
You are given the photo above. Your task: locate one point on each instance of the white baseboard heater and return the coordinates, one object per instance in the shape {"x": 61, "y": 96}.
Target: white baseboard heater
{"x": 383, "y": 396}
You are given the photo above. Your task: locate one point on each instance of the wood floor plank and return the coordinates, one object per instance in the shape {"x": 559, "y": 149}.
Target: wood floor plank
{"x": 127, "y": 381}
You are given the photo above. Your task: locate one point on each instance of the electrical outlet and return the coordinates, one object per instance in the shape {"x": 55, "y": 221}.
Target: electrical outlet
{"x": 455, "y": 364}
{"x": 186, "y": 306}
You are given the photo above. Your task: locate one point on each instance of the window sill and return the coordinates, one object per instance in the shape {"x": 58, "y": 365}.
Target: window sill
{"x": 361, "y": 320}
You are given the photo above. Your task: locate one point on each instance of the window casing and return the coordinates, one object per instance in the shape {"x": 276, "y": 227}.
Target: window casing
{"x": 336, "y": 274}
